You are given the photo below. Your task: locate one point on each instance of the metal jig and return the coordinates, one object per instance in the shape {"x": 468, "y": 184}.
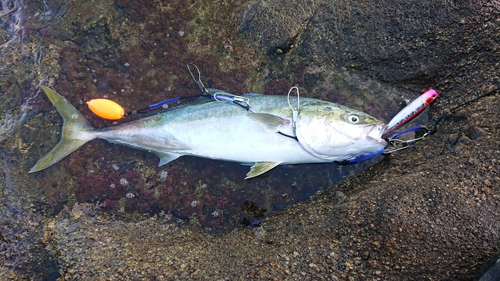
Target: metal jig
{"x": 411, "y": 110}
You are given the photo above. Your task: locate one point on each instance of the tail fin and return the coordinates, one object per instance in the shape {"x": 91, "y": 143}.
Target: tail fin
{"x": 76, "y": 131}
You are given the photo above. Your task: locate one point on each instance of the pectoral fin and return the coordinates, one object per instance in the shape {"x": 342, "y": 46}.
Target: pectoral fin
{"x": 166, "y": 157}
{"x": 270, "y": 122}
{"x": 261, "y": 168}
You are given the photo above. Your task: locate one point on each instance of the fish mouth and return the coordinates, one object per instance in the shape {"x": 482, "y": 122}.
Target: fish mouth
{"x": 375, "y": 133}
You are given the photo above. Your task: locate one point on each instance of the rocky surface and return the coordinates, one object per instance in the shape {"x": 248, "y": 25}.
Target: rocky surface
{"x": 422, "y": 214}
{"x": 407, "y": 43}
{"x": 430, "y": 212}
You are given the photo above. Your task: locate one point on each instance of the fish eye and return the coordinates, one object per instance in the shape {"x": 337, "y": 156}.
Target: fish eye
{"x": 353, "y": 119}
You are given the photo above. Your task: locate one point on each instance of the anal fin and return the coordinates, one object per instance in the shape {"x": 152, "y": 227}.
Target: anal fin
{"x": 261, "y": 168}
{"x": 166, "y": 157}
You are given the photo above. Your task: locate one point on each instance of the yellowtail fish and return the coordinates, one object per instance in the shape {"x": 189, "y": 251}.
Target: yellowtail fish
{"x": 266, "y": 136}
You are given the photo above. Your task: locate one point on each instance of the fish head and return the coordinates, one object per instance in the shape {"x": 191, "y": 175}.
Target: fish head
{"x": 335, "y": 132}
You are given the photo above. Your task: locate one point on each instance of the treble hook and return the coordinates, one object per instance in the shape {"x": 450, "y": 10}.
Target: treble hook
{"x": 295, "y": 113}
{"x": 197, "y": 81}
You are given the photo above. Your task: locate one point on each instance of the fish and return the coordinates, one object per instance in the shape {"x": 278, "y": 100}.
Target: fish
{"x": 266, "y": 136}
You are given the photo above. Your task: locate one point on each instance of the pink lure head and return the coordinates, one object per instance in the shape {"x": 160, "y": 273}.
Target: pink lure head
{"x": 430, "y": 96}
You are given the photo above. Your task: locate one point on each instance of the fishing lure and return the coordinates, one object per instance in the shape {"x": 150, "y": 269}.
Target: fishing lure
{"x": 411, "y": 110}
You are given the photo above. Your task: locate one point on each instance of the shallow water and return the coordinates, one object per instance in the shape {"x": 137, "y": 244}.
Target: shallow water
{"x": 135, "y": 53}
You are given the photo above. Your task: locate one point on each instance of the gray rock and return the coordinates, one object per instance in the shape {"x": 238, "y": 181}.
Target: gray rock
{"x": 476, "y": 132}
{"x": 340, "y": 197}
{"x": 404, "y": 42}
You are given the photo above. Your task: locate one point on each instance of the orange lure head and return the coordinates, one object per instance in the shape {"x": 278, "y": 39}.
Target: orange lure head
{"x": 106, "y": 109}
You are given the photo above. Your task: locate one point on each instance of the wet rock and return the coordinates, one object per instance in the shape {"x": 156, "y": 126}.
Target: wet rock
{"x": 259, "y": 232}
{"x": 476, "y": 132}
{"x": 461, "y": 115}
{"x": 412, "y": 46}
{"x": 464, "y": 140}
{"x": 490, "y": 271}
{"x": 452, "y": 139}
{"x": 281, "y": 28}
{"x": 217, "y": 191}
{"x": 458, "y": 148}
{"x": 339, "y": 197}
{"x": 457, "y": 144}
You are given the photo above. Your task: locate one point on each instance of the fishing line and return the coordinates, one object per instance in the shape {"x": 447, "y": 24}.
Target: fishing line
{"x": 452, "y": 111}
